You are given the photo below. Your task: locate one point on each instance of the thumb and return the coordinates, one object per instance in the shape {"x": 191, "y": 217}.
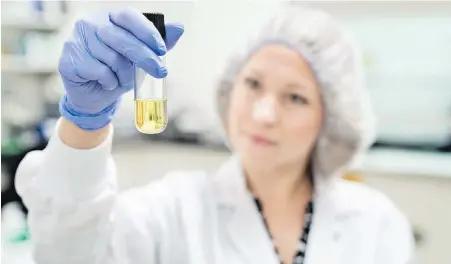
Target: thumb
{"x": 173, "y": 33}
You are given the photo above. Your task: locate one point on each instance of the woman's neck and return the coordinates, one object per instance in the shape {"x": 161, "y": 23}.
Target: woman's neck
{"x": 280, "y": 186}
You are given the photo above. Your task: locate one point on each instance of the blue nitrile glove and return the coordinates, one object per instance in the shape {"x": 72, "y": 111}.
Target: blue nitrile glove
{"x": 97, "y": 64}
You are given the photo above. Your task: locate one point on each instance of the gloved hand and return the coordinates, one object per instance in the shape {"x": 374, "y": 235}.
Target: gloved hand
{"x": 98, "y": 63}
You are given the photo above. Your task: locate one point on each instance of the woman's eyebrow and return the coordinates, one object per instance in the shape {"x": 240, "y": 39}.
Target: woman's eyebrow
{"x": 255, "y": 72}
{"x": 303, "y": 84}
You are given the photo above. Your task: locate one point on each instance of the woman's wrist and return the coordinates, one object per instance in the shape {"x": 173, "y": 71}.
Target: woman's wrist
{"x": 87, "y": 119}
{"x": 78, "y": 138}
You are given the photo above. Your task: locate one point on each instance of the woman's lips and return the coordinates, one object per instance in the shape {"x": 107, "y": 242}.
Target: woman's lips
{"x": 261, "y": 141}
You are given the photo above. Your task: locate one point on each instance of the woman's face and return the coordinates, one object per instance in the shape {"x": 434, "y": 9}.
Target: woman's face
{"x": 275, "y": 110}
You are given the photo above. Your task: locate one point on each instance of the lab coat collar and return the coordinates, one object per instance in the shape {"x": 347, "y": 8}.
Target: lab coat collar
{"x": 230, "y": 186}
{"x": 239, "y": 214}
{"x": 333, "y": 209}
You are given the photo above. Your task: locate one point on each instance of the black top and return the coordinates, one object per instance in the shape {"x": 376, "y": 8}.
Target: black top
{"x": 300, "y": 254}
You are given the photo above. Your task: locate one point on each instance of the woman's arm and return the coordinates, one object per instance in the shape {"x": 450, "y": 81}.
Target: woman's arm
{"x": 75, "y": 212}
{"x": 69, "y": 187}
{"x": 70, "y": 192}
{"x": 77, "y": 138}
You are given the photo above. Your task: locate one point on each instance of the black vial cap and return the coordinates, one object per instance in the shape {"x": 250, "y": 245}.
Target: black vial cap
{"x": 158, "y": 20}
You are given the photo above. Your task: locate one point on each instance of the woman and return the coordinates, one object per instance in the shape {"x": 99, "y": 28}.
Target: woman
{"x": 295, "y": 113}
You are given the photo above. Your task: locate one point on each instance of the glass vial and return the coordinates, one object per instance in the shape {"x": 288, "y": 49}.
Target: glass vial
{"x": 150, "y": 93}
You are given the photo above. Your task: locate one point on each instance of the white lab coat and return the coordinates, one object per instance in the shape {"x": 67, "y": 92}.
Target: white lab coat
{"x": 76, "y": 216}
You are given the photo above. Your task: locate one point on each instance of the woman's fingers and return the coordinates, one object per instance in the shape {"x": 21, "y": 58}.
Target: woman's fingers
{"x": 78, "y": 65}
{"x": 173, "y": 33}
{"x": 139, "y": 26}
{"x": 144, "y": 30}
{"x": 125, "y": 43}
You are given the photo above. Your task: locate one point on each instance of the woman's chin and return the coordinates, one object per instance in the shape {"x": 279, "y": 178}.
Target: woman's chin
{"x": 258, "y": 156}
{"x": 257, "y": 153}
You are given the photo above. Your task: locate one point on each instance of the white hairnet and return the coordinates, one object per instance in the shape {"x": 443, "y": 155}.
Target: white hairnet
{"x": 348, "y": 127}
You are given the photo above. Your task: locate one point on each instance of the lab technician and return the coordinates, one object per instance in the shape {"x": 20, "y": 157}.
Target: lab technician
{"x": 295, "y": 113}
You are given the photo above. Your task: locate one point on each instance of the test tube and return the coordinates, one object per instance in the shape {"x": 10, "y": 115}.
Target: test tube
{"x": 150, "y": 93}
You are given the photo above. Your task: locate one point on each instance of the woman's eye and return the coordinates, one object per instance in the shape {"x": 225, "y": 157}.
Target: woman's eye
{"x": 297, "y": 99}
{"x": 252, "y": 83}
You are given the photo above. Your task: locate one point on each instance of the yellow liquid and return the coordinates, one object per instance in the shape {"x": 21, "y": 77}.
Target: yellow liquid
{"x": 151, "y": 116}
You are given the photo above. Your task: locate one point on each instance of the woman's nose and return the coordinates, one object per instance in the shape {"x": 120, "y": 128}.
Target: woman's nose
{"x": 264, "y": 109}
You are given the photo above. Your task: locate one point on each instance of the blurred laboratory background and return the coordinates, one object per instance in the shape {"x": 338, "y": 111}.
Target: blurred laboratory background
{"x": 407, "y": 53}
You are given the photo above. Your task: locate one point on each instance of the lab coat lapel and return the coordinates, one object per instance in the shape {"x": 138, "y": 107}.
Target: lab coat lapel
{"x": 241, "y": 218}
{"x": 331, "y": 226}
{"x": 333, "y": 218}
